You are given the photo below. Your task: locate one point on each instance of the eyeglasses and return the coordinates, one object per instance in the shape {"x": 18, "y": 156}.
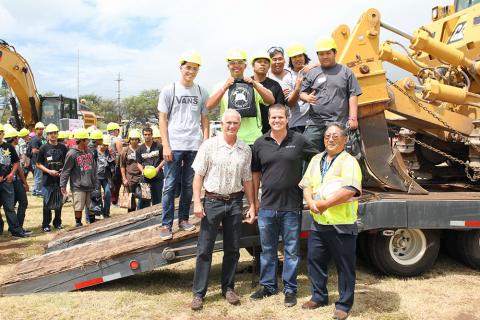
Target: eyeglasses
{"x": 334, "y": 137}
{"x": 273, "y": 50}
{"x": 233, "y": 62}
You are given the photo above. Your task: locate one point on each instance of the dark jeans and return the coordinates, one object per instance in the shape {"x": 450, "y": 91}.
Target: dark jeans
{"x": 315, "y": 135}
{"x": 7, "y": 199}
{"x": 179, "y": 168}
{"x": 229, "y": 214}
{"x": 107, "y": 195}
{"x": 21, "y": 198}
{"x": 47, "y": 213}
{"x": 134, "y": 201}
{"x": 156, "y": 187}
{"x": 322, "y": 246}
{"x": 116, "y": 185}
{"x": 272, "y": 224}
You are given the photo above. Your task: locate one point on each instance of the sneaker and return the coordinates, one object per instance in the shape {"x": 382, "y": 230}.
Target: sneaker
{"x": 310, "y": 305}
{"x": 261, "y": 294}
{"x": 59, "y": 227}
{"x": 78, "y": 224}
{"x": 166, "y": 233}
{"x": 19, "y": 235}
{"x": 46, "y": 229}
{"x": 197, "y": 303}
{"x": 232, "y": 297}
{"x": 290, "y": 299}
{"x": 185, "y": 226}
{"x": 340, "y": 314}
{"x": 27, "y": 232}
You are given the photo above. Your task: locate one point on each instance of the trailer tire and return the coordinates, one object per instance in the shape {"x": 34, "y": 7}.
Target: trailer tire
{"x": 449, "y": 243}
{"x": 407, "y": 253}
{"x": 468, "y": 246}
{"x": 362, "y": 248}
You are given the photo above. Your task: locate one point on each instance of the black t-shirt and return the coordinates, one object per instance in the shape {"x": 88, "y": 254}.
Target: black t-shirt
{"x": 8, "y": 156}
{"x": 36, "y": 143}
{"x": 281, "y": 168}
{"x": 151, "y": 157}
{"x": 277, "y": 92}
{"x": 53, "y": 158}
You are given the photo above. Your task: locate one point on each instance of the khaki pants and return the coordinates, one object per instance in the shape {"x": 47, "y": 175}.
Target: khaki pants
{"x": 81, "y": 199}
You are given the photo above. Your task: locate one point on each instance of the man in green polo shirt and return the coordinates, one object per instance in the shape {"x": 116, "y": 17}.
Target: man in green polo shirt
{"x": 332, "y": 181}
{"x": 243, "y": 94}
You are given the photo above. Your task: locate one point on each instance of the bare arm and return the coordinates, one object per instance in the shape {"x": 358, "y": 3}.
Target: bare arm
{"x": 205, "y": 127}
{"x": 163, "y": 123}
{"x": 248, "y": 187}
{"x": 293, "y": 98}
{"x": 266, "y": 94}
{"x": 215, "y": 98}
{"x": 339, "y": 197}
{"x": 256, "y": 186}
{"x": 198, "y": 210}
{"x": 352, "y": 112}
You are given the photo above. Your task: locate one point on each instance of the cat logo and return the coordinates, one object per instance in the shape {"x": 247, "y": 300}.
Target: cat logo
{"x": 240, "y": 98}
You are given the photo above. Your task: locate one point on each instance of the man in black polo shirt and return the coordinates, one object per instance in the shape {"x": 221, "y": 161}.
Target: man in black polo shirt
{"x": 261, "y": 64}
{"x": 277, "y": 161}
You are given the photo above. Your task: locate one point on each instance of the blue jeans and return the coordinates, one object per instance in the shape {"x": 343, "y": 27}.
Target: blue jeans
{"x": 272, "y": 224}
{"x": 314, "y": 134}
{"x": 107, "y": 195}
{"x": 179, "y": 168}
{"x": 37, "y": 181}
{"x": 7, "y": 199}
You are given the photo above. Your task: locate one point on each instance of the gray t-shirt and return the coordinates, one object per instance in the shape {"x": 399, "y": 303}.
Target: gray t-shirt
{"x": 299, "y": 112}
{"x": 185, "y": 111}
{"x": 333, "y": 88}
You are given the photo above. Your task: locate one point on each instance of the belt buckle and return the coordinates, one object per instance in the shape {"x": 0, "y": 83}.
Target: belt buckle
{"x": 226, "y": 197}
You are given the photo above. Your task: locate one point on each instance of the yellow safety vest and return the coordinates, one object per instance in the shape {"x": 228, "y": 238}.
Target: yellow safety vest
{"x": 344, "y": 167}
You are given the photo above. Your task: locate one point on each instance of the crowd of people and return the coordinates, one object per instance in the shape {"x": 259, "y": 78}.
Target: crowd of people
{"x": 284, "y": 132}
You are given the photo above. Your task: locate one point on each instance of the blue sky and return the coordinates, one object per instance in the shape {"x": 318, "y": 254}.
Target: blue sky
{"x": 142, "y": 39}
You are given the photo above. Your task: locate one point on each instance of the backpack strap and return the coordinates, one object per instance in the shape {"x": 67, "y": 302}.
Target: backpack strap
{"x": 171, "y": 104}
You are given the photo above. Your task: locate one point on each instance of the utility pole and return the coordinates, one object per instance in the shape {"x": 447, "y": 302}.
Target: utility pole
{"x": 118, "y": 80}
{"x": 78, "y": 79}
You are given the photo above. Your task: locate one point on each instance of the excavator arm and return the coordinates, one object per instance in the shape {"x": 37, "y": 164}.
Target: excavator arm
{"x": 17, "y": 73}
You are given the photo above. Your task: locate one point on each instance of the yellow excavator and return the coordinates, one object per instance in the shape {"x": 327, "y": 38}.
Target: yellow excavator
{"x": 16, "y": 71}
{"x": 421, "y": 130}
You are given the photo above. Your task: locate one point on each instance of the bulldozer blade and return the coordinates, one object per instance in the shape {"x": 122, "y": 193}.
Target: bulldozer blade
{"x": 385, "y": 168}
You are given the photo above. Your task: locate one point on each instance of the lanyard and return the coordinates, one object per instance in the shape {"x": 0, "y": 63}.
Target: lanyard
{"x": 325, "y": 166}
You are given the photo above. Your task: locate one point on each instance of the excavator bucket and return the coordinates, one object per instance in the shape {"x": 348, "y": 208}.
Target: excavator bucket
{"x": 383, "y": 167}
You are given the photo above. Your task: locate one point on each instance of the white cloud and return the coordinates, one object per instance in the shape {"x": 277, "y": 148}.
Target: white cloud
{"x": 48, "y": 34}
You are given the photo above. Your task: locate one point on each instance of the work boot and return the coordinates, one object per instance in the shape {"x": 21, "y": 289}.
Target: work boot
{"x": 197, "y": 303}
{"x": 290, "y": 299}
{"x": 340, "y": 314}
{"x": 185, "y": 226}
{"x": 232, "y": 297}
{"x": 310, "y": 305}
{"x": 166, "y": 233}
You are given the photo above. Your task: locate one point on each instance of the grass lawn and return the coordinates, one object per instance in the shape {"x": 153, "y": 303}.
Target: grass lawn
{"x": 449, "y": 291}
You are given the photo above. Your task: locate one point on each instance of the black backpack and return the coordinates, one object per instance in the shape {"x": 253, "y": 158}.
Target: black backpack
{"x": 241, "y": 97}
{"x": 29, "y": 152}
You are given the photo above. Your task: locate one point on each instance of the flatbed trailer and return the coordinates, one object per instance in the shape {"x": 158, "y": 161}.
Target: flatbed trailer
{"x": 400, "y": 234}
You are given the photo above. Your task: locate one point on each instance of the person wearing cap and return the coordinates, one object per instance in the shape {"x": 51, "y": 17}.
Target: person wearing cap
{"x": 184, "y": 124}
{"x": 20, "y": 185}
{"x": 116, "y": 147}
{"x": 332, "y": 91}
{"x": 261, "y": 64}
{"x": 36, "y": 143}
{"x": 105, "y": 170}
{"x": 63, "y": 137}
{"x": 128, "y": 165}
{"x": 156, "y": 134}
{"x": 80, "y": 169}
{"x": 333, "y": 232}
{"x": 243, "y": 94}
{"x": 9, "y": 164}
{"x": 51, "y": 157}
{"x": 150, "y": 153}
{"x": 23, "y": 140}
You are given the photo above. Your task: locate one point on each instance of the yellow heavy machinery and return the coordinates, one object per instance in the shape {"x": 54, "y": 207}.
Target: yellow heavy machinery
{"x": 435, "y": 111}
{"x": 33, "y": 107}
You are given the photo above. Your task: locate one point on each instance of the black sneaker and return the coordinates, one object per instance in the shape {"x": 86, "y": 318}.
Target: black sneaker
{"x": 59, "y": 227}
{"x": 290, "y": 299}
{"x": 261, "y": 293}
{"x": 47, "y": 229}
{"x": 27, "y": 232}
{"x": 19, "y": 235}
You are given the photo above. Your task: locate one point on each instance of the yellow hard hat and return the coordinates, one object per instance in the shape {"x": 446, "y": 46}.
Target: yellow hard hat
{"x": 70, "y": 135}
{"x": 96, "y": 134}
{"x": 134, "y": 134}
{"x": 191, "y": 56}
{"x": 260, "y": 55}
{"x": 149, "y": 172}
{"x": 325, "y": 44}
{"x": 112, "y": 126}
{"x": 10, "y": 133}
{"x": 236, "y": 54}
{"x": 91, "y": 128}
{"x": 23, "y": 132}
{"x": 1, "y": 127}
{"x": 51, "y": 128}
{"x": 295, "y": 49}
{"x": 155, "y": 132}
{"x": 39, "y": 125}
{"x": 7, "y": 126}
{"x": 107, "y": 139}
{"x": 62, "y": 135}
{"x": 80, "y": 134}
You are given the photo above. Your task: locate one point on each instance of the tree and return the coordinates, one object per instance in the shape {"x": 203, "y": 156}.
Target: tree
{"x": 142, "y": 107}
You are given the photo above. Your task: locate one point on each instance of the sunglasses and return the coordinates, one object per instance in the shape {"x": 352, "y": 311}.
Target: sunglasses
{"x": 273, "y": 50}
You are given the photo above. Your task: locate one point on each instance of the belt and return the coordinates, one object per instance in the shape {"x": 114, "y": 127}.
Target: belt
{"x": 224, "y": 197}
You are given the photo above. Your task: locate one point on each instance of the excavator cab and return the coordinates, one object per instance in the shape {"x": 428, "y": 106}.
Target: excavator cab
{"x": 464, "y": 4}
{"x": 58, "y": 107}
